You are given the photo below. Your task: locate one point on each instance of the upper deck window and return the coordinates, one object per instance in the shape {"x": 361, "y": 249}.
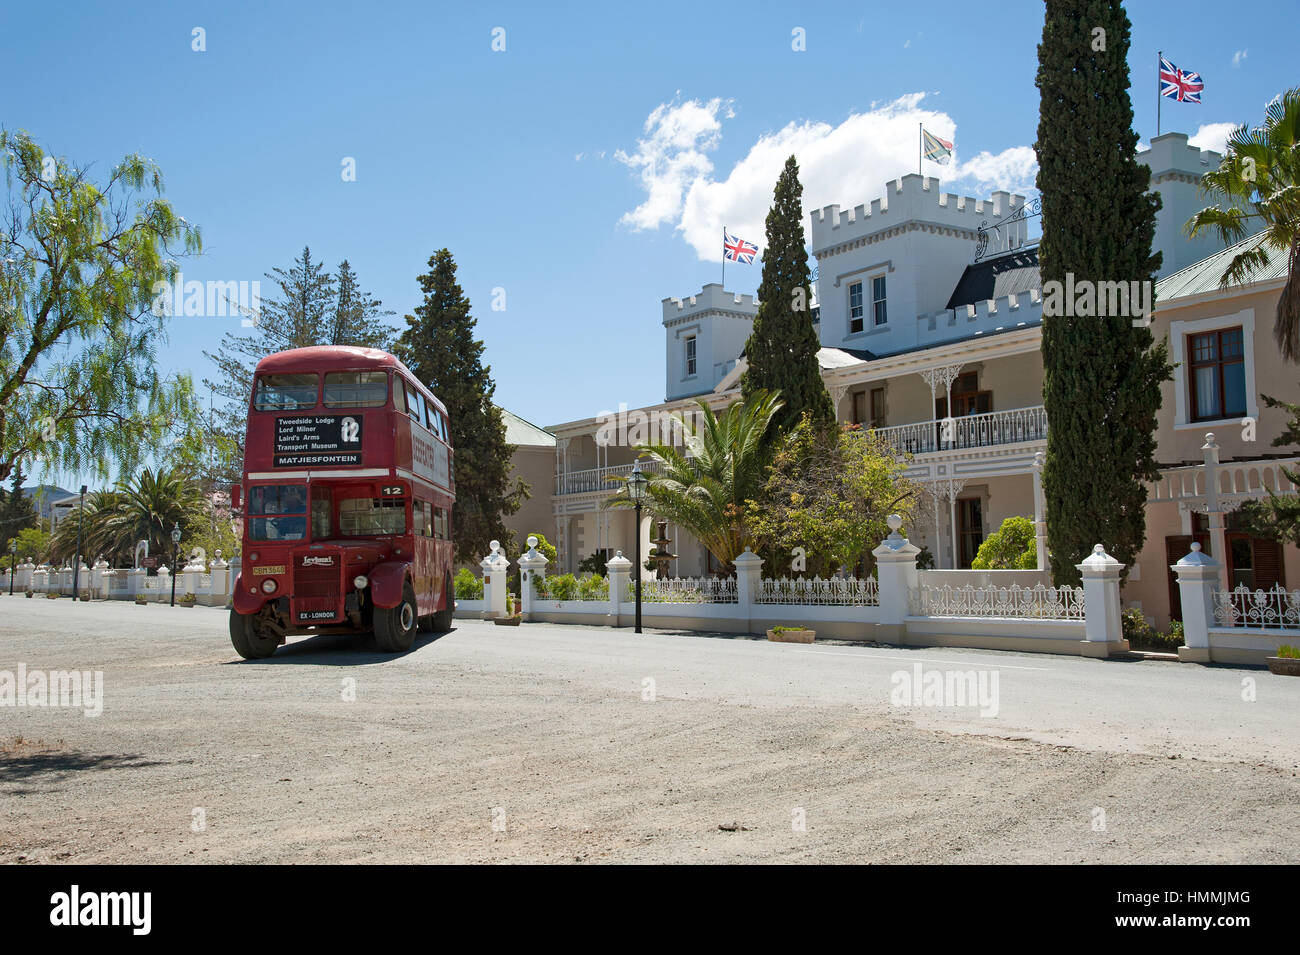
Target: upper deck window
{"x": 289, "y": 392}
{"x": 356, "y": 389}
{"x": 413, "y": 402}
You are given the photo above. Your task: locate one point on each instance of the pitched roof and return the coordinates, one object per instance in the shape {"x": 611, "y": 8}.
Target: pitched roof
{"x": 521, "y": 432}
{"x": 1203, "y": 276}
{"x": 997, "y": 277}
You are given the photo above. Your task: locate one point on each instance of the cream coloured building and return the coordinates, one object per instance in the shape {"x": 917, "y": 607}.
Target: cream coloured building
{"x": 929, "y": 316}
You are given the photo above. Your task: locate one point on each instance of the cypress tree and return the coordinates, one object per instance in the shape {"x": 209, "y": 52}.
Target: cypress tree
{"x": 782, "y": 349}
{"x": 1101, "y": 375}
{"x": 439, "y": 347}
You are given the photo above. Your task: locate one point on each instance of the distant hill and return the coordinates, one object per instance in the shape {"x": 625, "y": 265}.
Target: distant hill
{"x": 42, "y": 495}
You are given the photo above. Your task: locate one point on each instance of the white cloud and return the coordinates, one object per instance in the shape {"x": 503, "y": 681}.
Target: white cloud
{"x": 848, "y": 164}
{"x": 672, "y": 156}
{"x": 1238, "y": 57}
{"x": 1213, "y": 136}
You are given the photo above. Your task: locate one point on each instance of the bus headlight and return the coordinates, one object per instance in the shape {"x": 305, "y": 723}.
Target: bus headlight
{"x": 360, "y": 582}
{"x": 268, "y": 586}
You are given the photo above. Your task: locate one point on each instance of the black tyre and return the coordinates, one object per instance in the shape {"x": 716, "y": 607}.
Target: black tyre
{"x": 395, "y": 627}
{"x": 251, "y": 636}
{"x": 442, "y": 619}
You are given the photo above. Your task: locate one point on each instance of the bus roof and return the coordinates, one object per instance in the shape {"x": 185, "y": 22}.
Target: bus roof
{"x": 323, "y": 358}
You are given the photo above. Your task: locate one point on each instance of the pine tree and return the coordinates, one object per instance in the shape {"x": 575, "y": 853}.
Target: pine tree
{"x": 312, "y": 307}
{"x": 1101, "y": 375}
{"x": 439, "y": 347}
{"x": 16, "y": 509}
{"x": 782, "y": 349}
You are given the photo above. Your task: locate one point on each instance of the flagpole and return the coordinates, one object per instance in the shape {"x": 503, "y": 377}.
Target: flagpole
{"x": 724, "y": 258}
{"x": 919, "y": 128}
{"x": 1160, "y": 56}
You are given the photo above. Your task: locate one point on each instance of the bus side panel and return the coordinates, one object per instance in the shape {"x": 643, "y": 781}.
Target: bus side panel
{"x": 427, "y": 573}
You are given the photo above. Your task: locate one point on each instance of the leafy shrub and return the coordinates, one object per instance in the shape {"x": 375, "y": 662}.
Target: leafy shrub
{"x": 593, "y": 564}
{"x": 468, "y": 585}
{"x": 789, "y": 629}
{"x": 1141, "y": 635}
{"x": 1010, "y": 547}
{"x": 1288, "y": 652}
{"x": 593, "y": 587}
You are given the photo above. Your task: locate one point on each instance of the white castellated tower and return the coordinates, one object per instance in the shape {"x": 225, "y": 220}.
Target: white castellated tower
{"x": 705, "y": 334}
{"x": 1176, "y": 171}
{"x": 881, "y": 268}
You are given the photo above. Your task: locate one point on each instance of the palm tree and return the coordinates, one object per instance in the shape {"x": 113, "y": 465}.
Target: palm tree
{"x": 98, "y": 537}
{"x": 705, "y": 493}
{"x": 150, "y": 504}
{"x": 1258, "y": 188}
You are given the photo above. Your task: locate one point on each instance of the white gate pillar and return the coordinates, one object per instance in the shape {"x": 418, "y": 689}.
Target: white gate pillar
{"x": 1198, "y": 576}
{"x": 1104, "y": 631}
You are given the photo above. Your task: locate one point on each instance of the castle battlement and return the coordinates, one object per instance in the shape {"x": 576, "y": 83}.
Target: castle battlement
{"x": 710, "y": 297}
{"x": 907, "y": 199}
{"x": 1172, "y": 153}
{"x": 1008, "y": 310}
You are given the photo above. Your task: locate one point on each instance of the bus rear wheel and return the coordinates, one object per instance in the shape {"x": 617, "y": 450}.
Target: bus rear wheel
{"x": 442, "y": 619}
{"x": 395, "y": 627}
{"x": 252, "y": 636}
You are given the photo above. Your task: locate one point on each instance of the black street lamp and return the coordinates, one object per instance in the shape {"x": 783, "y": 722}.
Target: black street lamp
{"x": 13, "y": 565}
{"x": 636, "y": 487}
{"x": 76, "y": 563}
{"x": 176, "y": 556}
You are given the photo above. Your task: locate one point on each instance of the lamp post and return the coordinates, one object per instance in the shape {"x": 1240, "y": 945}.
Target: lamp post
{"x": 176, "y": 556}
{"x": 13, "y": 565}
{"x": 76, "y": 563}
{"x": 636, "y": 488}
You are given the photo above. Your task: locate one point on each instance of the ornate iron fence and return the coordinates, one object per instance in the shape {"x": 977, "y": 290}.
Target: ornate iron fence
{"x": 1035, "y": 603}
{"x": 1243, "y": 607}
{"x": 688, "y": 590}
{"x": 834, "y": 591}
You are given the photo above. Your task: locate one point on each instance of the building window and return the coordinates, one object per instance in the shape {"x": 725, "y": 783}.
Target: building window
{"x": 967, "y": 399}
{"x": 877, "y": 407}
{"x": 855, "y": 307}
{"x": 878, "y": 313}
{"x": 970, "y": 529}
{"x": 1218, "y": 374}
{"x": 690, "y": 356}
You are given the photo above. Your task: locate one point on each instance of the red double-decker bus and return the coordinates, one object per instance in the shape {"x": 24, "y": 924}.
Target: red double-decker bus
{"x": 347, "y": 494}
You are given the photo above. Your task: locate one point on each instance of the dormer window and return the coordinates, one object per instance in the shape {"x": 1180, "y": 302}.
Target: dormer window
{"x": 878, "y": 314}
{"x": 855, "y": 307}
{"x": 690, "y": 356}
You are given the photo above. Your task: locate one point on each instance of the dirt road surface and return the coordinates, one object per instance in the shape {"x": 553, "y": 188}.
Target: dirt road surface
{"x": 573, "y": 744}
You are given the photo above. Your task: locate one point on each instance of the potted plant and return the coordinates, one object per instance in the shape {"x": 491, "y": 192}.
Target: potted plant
{"x": 791, "y": 635}
{"x": 141, "y": 599}
{"x": 512, "y": 617}
{"x": 186, "y": 600}
{"x": 52, "y": 595}
{"x": 29, "y": 594}
{"x": 1287, "y": 661}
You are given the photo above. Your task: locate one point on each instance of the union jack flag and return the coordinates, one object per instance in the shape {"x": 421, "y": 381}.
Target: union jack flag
{"x": 1182, "y": 86}
{"x": 738, "y": 250}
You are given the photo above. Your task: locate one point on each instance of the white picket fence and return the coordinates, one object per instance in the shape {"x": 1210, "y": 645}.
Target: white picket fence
{"x": 896, "y": 606}
{"x": 210, "y": 583}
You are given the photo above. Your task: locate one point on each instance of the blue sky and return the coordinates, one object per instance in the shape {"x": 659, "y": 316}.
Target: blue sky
{"x": 585, "y": 169}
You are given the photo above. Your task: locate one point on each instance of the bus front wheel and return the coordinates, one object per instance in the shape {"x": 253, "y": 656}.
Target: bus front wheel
{"x": 395, "y": 627}
{"x": 252, "y": 636}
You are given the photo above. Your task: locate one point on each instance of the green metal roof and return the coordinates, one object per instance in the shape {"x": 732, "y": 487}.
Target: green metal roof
{"x": 1203, "y": 276}
{"x": 519, "y": 431}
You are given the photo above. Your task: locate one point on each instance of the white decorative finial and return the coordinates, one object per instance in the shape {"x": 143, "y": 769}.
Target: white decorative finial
{"x": 532, "y": 542}
{"x": 1098, "y": 549}
{"x": 494, "y": 546}
{"x": 1196, "y": 546}
{"x": 894, "y": 521}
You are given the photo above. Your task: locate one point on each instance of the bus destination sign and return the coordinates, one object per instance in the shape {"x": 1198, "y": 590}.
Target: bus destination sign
{"x": 317, "y": 440}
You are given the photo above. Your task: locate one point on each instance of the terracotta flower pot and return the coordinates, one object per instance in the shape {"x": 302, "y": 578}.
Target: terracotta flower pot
{"x": 512, "y": 621}
{"x": 1284, "y": 666}
{"x": 792, "y": 636}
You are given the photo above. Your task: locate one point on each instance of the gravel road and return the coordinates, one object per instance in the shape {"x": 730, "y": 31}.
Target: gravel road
{"x": 583, "y": 744}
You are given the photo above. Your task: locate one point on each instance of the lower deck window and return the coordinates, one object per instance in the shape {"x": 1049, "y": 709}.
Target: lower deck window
{"x": 365, "y": 517}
